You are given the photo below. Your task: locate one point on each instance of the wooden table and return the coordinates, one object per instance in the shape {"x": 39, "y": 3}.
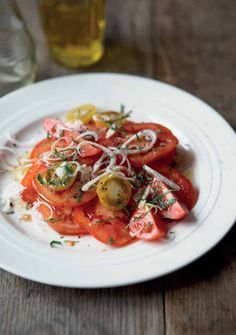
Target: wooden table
{"x": 191, "y": 44}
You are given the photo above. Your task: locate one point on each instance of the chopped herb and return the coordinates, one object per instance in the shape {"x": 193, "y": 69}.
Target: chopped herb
{"x": 114, "y": 127}
{"x": 139, "y": 195}
{"x": 52, "y": 220}
{"x": 160, "y": 203}
{"x": 53, "y": 244}
{"x": 28, "y": 206}
{"x": 125, "y": 116}
{"x": 79, "y": 196}
{"x": 110, "y": 241}
{"x": 62, "y": 134}
{"x": 40, "y": 179}
{"x": 74, "y": 140}
{"x": 110, "y": 123}
{"x": 68, "y": 170}
{"x": 63, "y": 157}
{"x": 48, "y": 135}
{"x": 126, "y": 211}
{"x": 148, "y": 177}
{"x": 74, "y": 157}
{"x": 108, "y": 220}
{"x": 133, "y": 185}
{"x": 122, "y": 108}
{"x": 10, "y": 212}
{"x": 141, "y": 178}
{"x": 138, "y": 138}
{"x": 167, "y": 203}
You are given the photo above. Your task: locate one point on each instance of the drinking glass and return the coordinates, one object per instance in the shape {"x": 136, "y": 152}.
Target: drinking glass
{"x": 17, "y": 57}
{"x": 74, "y": 30}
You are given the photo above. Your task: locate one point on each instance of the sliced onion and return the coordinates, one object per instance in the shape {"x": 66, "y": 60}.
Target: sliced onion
{"x": 38, "y": 217}
{"x": 38, "y": 203}
{"x": 88, "y": 133}
{"x": 144, "y": 197}
{"x": 85, "y": 172}
{"x": 141, "y": 223}
{"x": 88, "y": 185}
{"x": 72, "y": 126}
{"x": 45, "y": 157}
{"x": 162, "y": 178}
{"x": 111, "y": 131}
{"x": 40, "y": 194}
{"x": 100, "y": 162}
{"x": 137, "y": 231}
{"x": 147, "y": 133}
{"x": 54, "y": 144}
{"x": 105, "y": 149}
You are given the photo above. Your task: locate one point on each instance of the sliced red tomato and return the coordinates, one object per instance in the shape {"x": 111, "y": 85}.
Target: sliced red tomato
{"x": 187, "y": 193}
{"x": 86, "y": 149}
{"x": 29, "y": 194}
{"x": 167, "y": 160}
{"x": 41, "y": 147}
{"x": 116, "y": 140}
{"x": 146, "y": 225}
{"x": 88, "y": 160}
{"x": 165, "y": 144}
{"x": 71, "y": 197}
{"x": 97, "y": 210}
{"x": 89, "y": 154}
{"x": 175, "y": 211}
{"x": 60, "y": 220}
{"x": 50, "y": 124}
{"x": 106, "y": 226}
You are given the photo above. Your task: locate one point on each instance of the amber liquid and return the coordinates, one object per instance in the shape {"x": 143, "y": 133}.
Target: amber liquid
{"x": 74, "y": 30}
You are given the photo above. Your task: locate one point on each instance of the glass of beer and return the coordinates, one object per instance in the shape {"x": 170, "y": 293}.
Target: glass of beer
{"x": 74, "y": 30}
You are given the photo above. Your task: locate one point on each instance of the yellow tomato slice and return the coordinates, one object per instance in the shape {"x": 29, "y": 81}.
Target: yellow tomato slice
{"x": 61, "y": 176}
{"x": 114, "y": 192}
{"x": 84, "y": 113}
{"x": 106, "y": 119}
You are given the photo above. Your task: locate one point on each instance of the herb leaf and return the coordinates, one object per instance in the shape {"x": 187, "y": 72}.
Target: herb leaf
{"x": 40, "y": 179}
{"x": 68, "y": 170}
{"x": 74, "y": 140}
{"x": 122, "y": 108}
{"x": 53, "y": 243}
{"x": 52, "y": 220}
{"x": 110, "y": 241}
{"x": 79, "y": 196}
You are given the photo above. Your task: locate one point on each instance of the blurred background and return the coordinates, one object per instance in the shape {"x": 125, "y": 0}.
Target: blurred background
{"x": 183, "y": 42}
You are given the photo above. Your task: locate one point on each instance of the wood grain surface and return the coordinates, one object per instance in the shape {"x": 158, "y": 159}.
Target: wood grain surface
{"x": 191, "y": 44}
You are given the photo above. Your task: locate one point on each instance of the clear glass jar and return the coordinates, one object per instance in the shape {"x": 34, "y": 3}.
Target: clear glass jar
{"x": 74, "y": 30}
{"x": 17, "y": 56}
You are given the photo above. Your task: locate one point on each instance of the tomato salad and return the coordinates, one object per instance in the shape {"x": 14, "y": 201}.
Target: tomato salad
{"x": 101, "y": 174}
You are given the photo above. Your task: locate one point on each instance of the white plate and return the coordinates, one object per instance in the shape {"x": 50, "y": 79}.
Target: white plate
{"x": 209, "y": 140}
